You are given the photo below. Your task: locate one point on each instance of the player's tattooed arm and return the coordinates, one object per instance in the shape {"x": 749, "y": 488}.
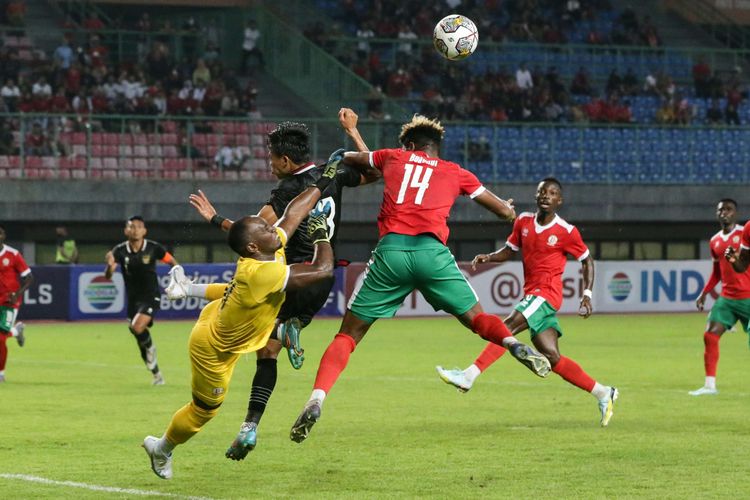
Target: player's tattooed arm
{"x": 205, "y": 209}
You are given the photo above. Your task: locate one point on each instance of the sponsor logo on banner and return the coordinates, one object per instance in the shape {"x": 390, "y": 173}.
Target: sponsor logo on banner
{"x": 620, "y": 286}
{"x": 97, "y": 294}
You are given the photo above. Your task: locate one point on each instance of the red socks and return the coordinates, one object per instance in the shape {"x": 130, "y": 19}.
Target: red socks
{"x": 490, "y": 354}
{"x": 334, "y": 361}
{"x": 711, "y": 354}
{"x": 490, "y": 327}
{"x": 573, "y": 373}
{"x": 3, "y": 349}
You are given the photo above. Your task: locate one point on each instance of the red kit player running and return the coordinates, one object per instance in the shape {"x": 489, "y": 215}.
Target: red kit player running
{"x": 545, "y": 239}
{"x": 734, "y": 302}
{"x": 419, "y": 191}
{"x": 12, "y": 266}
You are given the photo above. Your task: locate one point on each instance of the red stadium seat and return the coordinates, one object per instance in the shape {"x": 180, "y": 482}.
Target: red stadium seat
{"x": 154, "y": 150}
{"x": 111, "y": 139}
{"x": 170, "y": 151}
{"x": 155, "y": 163}
{"x": 126, "y": 151}
{"x": 125, "y": 174}
{"x": 96, "y": 163}
{"x": 141, "y": 164}
{"x": 96, "y": 150}
{"x": 169, "y": 139}
{"x": 125, "y": 140}
{"x": 242, "y": 139}
{"x": 110, "y": 163}
{"x": 140, "y": 151}
{"x": 140, "y": 139}
{"x": 80, "y": 150}
{"x": 111, "y": 150}
{"x": 50, "y": 162}
{"x": 4, "y": 162}
{"x": 127, "y": 163}
{"x": 33, "y": 162}
{"x": 186, "y": 174}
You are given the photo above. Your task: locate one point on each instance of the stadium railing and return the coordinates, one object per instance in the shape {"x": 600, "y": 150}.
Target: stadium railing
{"x": 149, "y": 147}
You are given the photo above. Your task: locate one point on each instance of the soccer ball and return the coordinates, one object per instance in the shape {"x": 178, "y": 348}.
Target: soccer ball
{"x": 455, "y": 37}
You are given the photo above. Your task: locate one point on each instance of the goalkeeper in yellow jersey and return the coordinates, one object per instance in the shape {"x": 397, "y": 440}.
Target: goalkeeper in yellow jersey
{"x": 241, "y": 316}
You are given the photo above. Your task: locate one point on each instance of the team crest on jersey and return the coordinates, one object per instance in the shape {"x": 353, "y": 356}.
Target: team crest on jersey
{"x": 736, "y": 239}
{"x": 217, "y": 390}
{"x": 146, "y": 259}
{"x": 6, "y": 261}
{"x": 552, "y": 240}
{"x": 525, "y": 232}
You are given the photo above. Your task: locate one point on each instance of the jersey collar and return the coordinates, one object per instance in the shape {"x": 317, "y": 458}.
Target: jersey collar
{"x": 726, "y": 236}
{"x": 303, "y": 169}
{"x": 540, "y": 229}
{"x": 130, "y": 250}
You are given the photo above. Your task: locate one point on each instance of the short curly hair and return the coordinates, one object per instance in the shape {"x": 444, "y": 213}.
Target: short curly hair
{"x": 421, "y": 131}
{"x": 290, "y": 139}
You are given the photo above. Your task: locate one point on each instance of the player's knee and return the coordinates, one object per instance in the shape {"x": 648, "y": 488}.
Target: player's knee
{"x": 135, "y": 329}
{"x": 553, "y": 357}
{"x": 270, "y": 351}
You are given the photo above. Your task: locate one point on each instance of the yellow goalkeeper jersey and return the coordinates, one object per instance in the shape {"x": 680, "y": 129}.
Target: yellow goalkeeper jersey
{"x": 243, "y": 319}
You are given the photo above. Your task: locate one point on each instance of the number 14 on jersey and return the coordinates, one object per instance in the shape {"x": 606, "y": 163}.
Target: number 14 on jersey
{"x": 417, "y": 177}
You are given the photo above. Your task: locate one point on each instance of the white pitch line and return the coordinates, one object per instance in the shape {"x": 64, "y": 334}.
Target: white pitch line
{"x": 96, "y": 487}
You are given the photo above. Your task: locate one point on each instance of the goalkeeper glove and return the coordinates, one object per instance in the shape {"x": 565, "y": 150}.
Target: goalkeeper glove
{"x": 317, "y": 222}
{"x": 329, "y": 172}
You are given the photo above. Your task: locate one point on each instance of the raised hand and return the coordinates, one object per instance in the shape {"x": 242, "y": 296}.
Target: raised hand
{"x": 202, "y": 205}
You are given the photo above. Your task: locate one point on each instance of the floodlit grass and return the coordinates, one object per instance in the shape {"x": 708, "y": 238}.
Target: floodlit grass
{"x": 78, "y": 402}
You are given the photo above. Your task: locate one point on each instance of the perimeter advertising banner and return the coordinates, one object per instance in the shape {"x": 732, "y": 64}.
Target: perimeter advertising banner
{"x": 82, "y": 292}
{"x": 620, "y": 286}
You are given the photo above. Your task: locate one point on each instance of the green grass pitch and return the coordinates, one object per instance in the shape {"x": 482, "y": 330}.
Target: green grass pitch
{"x": 78, "y": 402}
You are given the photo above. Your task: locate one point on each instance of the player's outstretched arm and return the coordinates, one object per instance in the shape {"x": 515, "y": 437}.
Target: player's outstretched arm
{"x": 502, "y": 208}
{"x": 361, "y": 161}
{"x": 111, "y": 264}
{"x": 587, "y": 269}
{"x": 303, "y": 275}
{"x": 348, "y": 120}
{"x": 501, "y": 255}
{"x": 205, "y": 209}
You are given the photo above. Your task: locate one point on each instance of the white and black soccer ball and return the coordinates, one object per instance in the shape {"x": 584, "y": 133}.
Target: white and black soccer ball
{"x": 455, "y": 37}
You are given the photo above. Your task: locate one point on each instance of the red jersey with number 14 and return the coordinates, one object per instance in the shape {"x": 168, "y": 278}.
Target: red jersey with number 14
{"x": 544, "y": 254}
{"x": 420, "y": 191}
{"x": 12, "y": 266}
{"x": 734, "y": 285}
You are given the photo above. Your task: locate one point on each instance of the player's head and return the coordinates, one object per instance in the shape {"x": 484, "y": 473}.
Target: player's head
{"x": 252, "y": 235}
{"x": 288, "y": 147}
{"x": 726, "y": 212}
{"x": 549, "y": 195}
{"x": 135, "y": 228}
{"x": 61, "y": 231}
{"x": 421, "y": 133}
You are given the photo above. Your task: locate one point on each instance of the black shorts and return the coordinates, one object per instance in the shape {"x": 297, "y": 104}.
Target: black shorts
{"x": 143, "y": 305}
{"x": 305, "y": 303}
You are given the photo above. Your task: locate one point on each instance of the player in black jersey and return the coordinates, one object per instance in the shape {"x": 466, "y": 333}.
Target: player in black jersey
{"x": 137, "y": 259}
{"x": 289, "y": 155}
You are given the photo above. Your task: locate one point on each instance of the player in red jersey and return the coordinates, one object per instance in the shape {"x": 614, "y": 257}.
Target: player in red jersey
{"x": 734, "y": 302}
{"x": 12, "y": 266}
{"x": 420, "y": 189}
{"x": 545, "y": 239}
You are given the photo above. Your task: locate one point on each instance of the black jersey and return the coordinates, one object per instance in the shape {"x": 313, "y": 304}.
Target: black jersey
{"x": 139, "y": 268}
{"x": 299, "y": 248}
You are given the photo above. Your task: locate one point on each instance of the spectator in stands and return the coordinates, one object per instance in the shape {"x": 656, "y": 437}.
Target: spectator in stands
{"x": 614, "y": 82}
{"x": 188, "y": 150}
{"x": 230, "y": 157}
{"x": 650, "y": 84}
{"x": 11, "y": 95}
{"x": 399, "y": 83}
{"x": 230, "y": 104}
{"x": 211, "y": 33}
{"x": 731, "y": 111}
{"x": 201, "y": 74}
{"x": 64, "y": 55}
{"x": 714, "y": 116}
{"x": 701, "y": 78}
{"x": 67, "y": 252}
{"x": 629, "y": 83}
{"x": 7, "y": 146}
{"x": 581, "y": 84}
{"x": 665, "y": 115}
{"x": 364, "y": 33}
{"x": 15, "y": 13}
{"x": 523, "y": 78}
{"x": 41, "y": 88}
{"x": 36, "y": 143}
{"x": 683, "y": 111}
{"x": 406, "y": 34}
{"x": 60, "y": 102}
{"x": 92, "y": 22}
{"x": 250, "y": 47}
{"x": 649, "y": 34}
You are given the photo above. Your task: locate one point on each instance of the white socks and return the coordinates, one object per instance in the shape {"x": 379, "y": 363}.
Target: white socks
{"x": 471, "y": 373}
{"x": 318, "y": 394}
{"x": 13, "y": 331}
{"x": 710, "y": 382}
{"x": 601, "y": 391}
{"x": 165, "y": 447}
{"x": 197, "y": 290}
